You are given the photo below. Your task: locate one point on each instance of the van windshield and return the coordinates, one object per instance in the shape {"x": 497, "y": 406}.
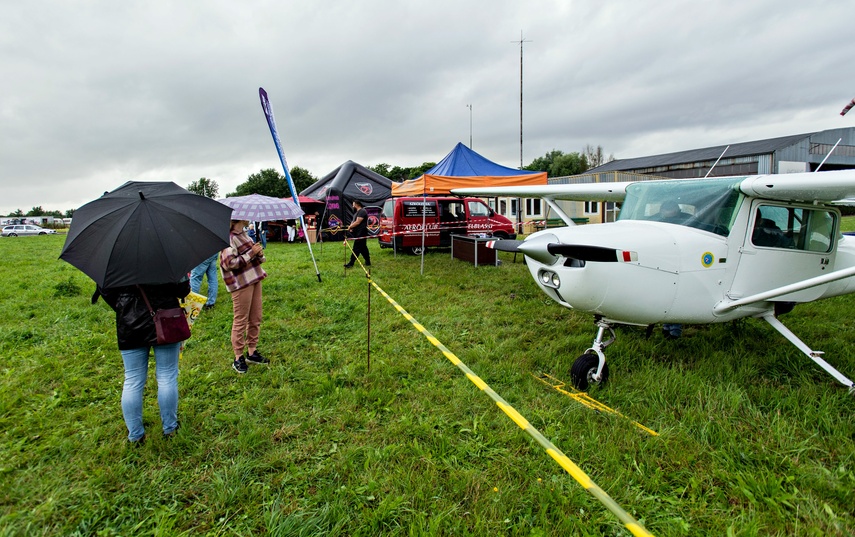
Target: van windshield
{"x": 707, "y": 204}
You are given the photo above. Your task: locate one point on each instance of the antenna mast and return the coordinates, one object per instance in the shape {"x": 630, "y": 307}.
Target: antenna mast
{"x": 521, "y": 41}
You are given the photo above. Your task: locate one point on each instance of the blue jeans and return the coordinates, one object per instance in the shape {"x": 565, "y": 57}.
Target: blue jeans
{"x": 209, "y": 267}
{"x": 136, "y": 372}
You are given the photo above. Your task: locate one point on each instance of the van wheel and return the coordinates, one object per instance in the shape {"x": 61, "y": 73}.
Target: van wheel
{"x": 500, "y": 235}
{"x": 416, "y": 250}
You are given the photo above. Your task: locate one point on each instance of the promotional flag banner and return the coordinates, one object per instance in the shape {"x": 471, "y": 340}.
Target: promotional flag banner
{"x": 271, "y": 123}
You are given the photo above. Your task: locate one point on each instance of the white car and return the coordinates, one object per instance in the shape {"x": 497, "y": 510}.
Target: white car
{"x": 25, "y": 229}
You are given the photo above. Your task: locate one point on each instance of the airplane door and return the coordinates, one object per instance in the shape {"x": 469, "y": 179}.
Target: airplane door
{"x": 785, "y": 244}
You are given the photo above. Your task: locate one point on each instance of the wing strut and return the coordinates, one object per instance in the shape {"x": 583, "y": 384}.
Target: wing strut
{"x": 561, "y": 214}
{"x": 810, "y": 353}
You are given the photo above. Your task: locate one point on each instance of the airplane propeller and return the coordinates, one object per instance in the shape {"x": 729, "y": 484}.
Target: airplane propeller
{"x": 584, "y": 252}
{"x": 504, "y": 245}
{"x": 546, "y": 249}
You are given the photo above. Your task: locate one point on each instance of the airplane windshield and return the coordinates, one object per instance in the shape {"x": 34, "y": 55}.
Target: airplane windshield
{"x": 707, "y": 204}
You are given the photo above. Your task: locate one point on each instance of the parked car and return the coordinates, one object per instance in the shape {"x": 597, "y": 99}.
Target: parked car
{"x": 25, "y": 229}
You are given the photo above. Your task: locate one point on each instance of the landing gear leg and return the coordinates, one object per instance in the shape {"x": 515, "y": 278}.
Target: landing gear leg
{"x": 810, "y": 353}
{"x": 591, "y": 366}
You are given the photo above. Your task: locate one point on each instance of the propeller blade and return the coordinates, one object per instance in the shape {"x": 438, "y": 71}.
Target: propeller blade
{"x": 504, "y": 245}
{"x": 585, "y": 253}
{"x": 535, "y": 247}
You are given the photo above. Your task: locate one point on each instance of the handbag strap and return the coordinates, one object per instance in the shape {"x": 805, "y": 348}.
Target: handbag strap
{"x": 145, "y": 298}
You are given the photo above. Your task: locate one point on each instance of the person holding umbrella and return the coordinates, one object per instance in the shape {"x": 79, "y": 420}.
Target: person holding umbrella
{"x": 138, "y": 243}
{"x": 240, "y": 264}
{"x": 135, "y": 332}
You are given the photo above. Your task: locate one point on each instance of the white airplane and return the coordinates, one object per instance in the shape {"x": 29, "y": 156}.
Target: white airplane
{"x": 692, "y": 251}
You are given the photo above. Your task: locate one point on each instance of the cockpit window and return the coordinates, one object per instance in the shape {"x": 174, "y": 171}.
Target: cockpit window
{"x": 794, "y": 228}
{"x": 707, "y": 204}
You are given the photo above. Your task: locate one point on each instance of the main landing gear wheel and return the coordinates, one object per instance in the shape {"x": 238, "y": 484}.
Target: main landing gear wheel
{"x": 584, "y": 369}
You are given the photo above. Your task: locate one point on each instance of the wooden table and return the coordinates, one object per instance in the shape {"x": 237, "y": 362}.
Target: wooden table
{"x": 474, "y": 250}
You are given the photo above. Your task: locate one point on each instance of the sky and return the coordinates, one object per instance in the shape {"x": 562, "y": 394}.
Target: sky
{"x": 94, "y": 93}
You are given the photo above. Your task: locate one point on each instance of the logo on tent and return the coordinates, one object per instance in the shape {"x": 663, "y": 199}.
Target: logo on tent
{"x": 373, "y": 224}
{"x": 334, "y": 224}
{"x": 365, "y": 188}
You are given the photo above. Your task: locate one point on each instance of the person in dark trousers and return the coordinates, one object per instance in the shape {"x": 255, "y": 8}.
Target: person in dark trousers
{"x": 358, "y": 229}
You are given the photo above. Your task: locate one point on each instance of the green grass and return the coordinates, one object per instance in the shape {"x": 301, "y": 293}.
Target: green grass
{"x": 754, "y": 438}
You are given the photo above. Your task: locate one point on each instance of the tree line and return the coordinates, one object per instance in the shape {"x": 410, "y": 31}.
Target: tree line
{"x": 269, "y": 182}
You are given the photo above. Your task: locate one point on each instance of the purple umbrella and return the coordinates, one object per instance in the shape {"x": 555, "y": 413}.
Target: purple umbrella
{"x": 258, "y": 208}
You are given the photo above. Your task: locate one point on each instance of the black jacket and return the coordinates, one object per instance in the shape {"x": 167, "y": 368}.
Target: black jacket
{"x": 134, "y": 325}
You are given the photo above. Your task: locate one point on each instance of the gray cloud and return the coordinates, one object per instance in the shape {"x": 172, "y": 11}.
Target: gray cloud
{"x": 96, "y": 93}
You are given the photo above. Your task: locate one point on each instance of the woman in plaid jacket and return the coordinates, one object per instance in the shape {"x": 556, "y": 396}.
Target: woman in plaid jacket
{"x": 240, "y": 264}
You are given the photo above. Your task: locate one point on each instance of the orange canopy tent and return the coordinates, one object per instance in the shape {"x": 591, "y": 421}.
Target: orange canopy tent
{"x": 463, "y": 167}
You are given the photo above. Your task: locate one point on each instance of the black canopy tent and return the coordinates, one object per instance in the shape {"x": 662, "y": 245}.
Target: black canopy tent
{"x": 339, "y": 188}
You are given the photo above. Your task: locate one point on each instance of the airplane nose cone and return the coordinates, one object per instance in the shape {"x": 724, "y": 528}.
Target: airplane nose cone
{"x": 536, "y": 247}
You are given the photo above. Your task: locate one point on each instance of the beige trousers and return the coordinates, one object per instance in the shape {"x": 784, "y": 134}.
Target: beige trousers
{"x": 246, "y": 325}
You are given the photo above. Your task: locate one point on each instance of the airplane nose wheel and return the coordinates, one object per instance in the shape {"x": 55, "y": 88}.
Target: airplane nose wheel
{"x": 591, "y": 367}
{"x": 585, "y": 368}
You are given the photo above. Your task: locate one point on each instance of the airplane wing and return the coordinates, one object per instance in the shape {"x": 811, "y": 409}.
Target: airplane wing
{"x": 577, "y": 192}
{"x": 831, "y": 186}
{"x": 823, "y": 186}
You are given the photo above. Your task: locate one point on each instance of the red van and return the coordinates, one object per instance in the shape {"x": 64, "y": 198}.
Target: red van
{"x": 403, "y": 220}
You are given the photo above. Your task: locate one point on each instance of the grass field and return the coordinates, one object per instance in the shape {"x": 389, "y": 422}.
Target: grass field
{"x": 754, "y": 439}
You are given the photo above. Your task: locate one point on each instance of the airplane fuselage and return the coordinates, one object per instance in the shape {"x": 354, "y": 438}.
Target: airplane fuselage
{"x": 723, "y": 247}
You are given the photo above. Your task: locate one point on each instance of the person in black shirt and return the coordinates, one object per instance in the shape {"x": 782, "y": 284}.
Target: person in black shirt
{"x": 358, "y": 229}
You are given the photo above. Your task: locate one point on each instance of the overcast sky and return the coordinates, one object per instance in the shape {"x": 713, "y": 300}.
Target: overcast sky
{"x": 95, "y": 93}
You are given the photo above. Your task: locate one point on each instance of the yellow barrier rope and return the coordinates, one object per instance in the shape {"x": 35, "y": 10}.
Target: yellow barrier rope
{"x": 569, "y": 466}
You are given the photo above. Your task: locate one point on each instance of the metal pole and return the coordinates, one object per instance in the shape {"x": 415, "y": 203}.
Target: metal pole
{"x": 521, "y": 99}
{"x": 469, "y": 106}
{"x": 368, "y": 344}
{"x": 519, "y": 200}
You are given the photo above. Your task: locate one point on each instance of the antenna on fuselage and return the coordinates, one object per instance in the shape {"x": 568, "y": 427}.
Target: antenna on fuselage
{"x": 828, "y": 155}
{"x": 716, "y": 162}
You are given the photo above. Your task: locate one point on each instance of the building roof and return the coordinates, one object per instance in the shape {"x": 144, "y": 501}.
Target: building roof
{"x": 743, "y": 149}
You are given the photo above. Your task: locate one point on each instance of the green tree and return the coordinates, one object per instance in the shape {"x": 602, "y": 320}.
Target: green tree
{"x": 418, "y": 171}
{"x": 267, "y": 182}
{"x": 399, "y": 174}
{"x": 559, "y": 164}
{"x": 569, "y": 164}
{"x": 381, "y": 169}
{"x": 69, "y": 213}
{"x": 17, "y": 213}
{"x": 205, "y": 187}
{"x": 302, "y": 178}
{"x": 36, "y": 211}
{"x": 544, "y": 163}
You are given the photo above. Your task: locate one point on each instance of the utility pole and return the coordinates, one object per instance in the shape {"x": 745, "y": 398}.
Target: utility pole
{"x": 469, "y": 106}
{"x": 519, "y": 200}
{"x": 521, "y": 41}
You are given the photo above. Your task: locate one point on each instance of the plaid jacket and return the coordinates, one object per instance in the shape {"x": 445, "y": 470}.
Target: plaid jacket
{"x": 238, "y": 269}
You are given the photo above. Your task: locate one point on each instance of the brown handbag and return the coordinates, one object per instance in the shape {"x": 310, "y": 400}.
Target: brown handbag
{"x": 170, "y": 324}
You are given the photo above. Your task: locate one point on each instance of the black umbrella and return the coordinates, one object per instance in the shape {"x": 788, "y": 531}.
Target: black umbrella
{"x": 145, "y": 233}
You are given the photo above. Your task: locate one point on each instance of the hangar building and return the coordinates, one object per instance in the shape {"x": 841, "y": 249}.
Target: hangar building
{"x": 787, "y": 154}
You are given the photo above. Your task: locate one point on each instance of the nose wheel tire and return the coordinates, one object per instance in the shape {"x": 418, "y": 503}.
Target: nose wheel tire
{"x": 583, "y": 370}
